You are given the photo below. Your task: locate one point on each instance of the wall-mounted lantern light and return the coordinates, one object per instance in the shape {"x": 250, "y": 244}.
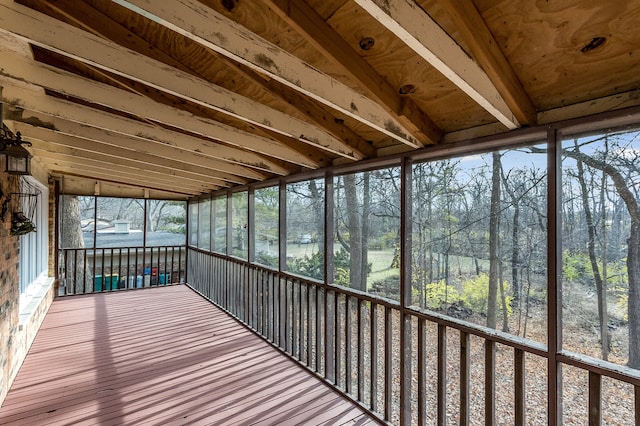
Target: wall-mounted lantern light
{"x": 17, "y": 158}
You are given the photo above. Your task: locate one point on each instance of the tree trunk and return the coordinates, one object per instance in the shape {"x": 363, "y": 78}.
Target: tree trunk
{"x": 77, "y": 273}
{"x": 633, "y": 250}
{"x": 355, "y": 231}
{"x": 591, "y": 232}
{"x": 366, "y": 208}
{"x": 494, "y": 239}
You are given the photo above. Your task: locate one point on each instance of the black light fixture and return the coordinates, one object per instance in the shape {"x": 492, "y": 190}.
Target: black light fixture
{"x": 17, "y": 158}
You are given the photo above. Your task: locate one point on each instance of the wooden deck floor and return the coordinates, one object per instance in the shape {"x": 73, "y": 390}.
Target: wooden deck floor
{"x": 162, "y": 356}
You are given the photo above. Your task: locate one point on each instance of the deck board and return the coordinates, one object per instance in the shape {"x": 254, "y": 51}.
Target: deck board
{"x": 162, "y": 356}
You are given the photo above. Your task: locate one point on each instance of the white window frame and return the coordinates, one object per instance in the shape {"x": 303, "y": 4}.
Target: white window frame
{"x": 34, "y": 250}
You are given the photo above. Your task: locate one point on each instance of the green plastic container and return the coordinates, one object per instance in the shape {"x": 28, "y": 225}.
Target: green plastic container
{"x": 106, "y": 282}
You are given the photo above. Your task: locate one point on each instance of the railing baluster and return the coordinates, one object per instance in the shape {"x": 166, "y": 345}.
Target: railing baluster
{"x": 374, "y": 357}
{"x": 422, "y": 373}
{"x": 109, "y": 285}
{"x": 519, "y": 383}
{"x": 636, "y": 391}
{"x": 490, "y": 382}
{"x": 465, "y": 377}
{"x": 300, "y": 327}
{"x": 595, "y": 393}
{"x": 337, "y": 349}
{"x": 320, "y": 331}
{"x": 67, "y": 281}
{"x": 75, "y": 272}
{"x": 348, "y": 367}
{"x": 442, "y": 375}
{"x": 309, "y": 328}
{"x": 388, "y": 362}
{"x": 361, "y": 338}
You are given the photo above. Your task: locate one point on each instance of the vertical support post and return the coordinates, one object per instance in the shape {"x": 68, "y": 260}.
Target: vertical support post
{"x": 56, "y": 233}
{"x": 554, "y": 283}
{"x": 282, "y": 227}
{"x": 144, "y": 241}
{"x": 251, "y": 225}
{"x": 405, "y": 291}
{"x": 251, "y": 253}
{"x": 328, "y": 227}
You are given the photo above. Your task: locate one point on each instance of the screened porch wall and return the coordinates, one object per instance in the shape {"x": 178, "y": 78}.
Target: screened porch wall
{"x": 421, "y": 347}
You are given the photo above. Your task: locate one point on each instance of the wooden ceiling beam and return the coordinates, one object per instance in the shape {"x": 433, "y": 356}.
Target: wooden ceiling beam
{"x": 410, "y": 23}
{"x": 213, "y": 30}
{"x": 304, "y": 19}
{"x": 70, "y": 41}
{"x": 157, "y": 172}
{"x": 18, "y": 69}
{"x": 141, "y": 147}
{"x": 146, "y": 134}
{"x": 79, "y": 162}
{"x": 120, "y": 150}
{"x": 486, "y": 51}
{"x": 62, "y": 168}
{"x": 94, "y": 19}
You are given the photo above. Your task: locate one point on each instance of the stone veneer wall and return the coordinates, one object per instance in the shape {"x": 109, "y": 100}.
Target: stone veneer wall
{"x": 17, "y": 329}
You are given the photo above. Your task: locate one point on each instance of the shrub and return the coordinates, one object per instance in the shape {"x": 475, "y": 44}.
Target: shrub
{"x": 439, "y": 293}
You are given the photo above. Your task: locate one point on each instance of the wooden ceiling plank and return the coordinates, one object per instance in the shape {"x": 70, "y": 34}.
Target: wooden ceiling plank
{"x": 213, "y": 30}
{"x": 73, "y": 161}
{"x": 16, "y": 70}
{"x": 69, "y": 170}
{"x": 137, "y": 130}
{"x": 424, "y": 36}
{"x": 486, "y": 51}
{"x": 103, "y": 25}
{"x": 67, "y": 40}
{"x": 141, "y": 146}
{"x": 120, "y": 150}
{"x": 158, "y": 173}
{"x": 72, "y": 185}
{"x": 325, "y": 39}
{"x": 116, "y": 170}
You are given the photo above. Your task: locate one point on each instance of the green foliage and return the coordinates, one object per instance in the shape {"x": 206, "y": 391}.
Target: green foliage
{"x": 308, "y": 266}
{"x": 387, "y": 287}
{"x": 575, "y": 266}
{"x": 439, "y": 293}
{"x": 475, "y": 293}
{"x": 341, "y": 277}
{"x": 267, "y": 259}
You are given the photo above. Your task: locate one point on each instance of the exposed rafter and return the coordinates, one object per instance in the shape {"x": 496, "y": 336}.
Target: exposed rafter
{"x": 487, "y": 52}
{"x": 91, "y": 18}
{"x": 422, "y": 34}
{"x": 39, "y": 29}
{"x": 24, "y": 69}
{"x": 209, "y": 28}
{"x": 317, "y": 32}
{"x": 119, "y": 147}
{"x": 146, "y": 134}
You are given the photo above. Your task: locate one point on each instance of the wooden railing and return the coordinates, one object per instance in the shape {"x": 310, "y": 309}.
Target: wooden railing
{"x": 404, "y": 364}
{"x": 89, "y": 270}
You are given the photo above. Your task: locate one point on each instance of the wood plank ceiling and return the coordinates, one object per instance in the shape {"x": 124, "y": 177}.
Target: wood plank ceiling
{"x": 184, "y": 97}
